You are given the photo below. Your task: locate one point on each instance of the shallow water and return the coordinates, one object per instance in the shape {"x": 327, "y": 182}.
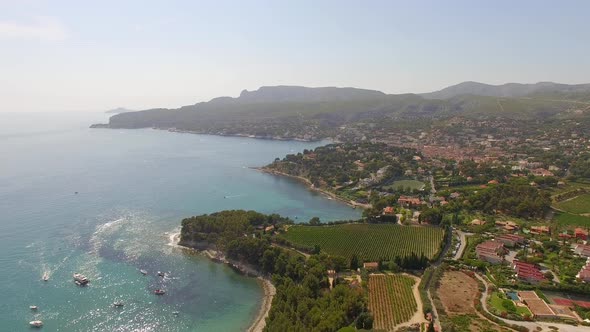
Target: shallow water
{"x": 134, "y": 187}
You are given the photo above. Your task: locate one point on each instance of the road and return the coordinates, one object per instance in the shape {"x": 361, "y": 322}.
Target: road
{"x": 532, "y": 326}
{"x": 462, "y": 246}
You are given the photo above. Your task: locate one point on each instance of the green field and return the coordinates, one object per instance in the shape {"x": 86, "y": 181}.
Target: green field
{"x": 370, "y": 242}
{"x": 496, "y": 303}
{"x": 568, "y": 219}
{"x": 413, "y": 184}
{"x": 578, "y": 205}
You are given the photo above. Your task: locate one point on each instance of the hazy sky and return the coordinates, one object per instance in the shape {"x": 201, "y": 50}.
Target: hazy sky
{"x": 96, "y": 55}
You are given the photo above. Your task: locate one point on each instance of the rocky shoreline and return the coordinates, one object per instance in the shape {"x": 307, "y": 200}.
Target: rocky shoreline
{"x": 269, "y": 289}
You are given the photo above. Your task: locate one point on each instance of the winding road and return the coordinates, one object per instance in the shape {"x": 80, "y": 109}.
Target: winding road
{"x": 532, "y": 326}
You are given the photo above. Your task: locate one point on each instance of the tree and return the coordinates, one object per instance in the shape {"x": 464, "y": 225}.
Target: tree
{"x": 431, "y": 327}
{"x": 314, "y": 221}
{"x": 354, "y": 262}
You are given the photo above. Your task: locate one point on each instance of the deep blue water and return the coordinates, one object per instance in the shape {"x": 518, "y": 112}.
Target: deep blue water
{"x": 134, "y": 187}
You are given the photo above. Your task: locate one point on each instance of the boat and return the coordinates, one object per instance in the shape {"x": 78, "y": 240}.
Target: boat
{"x": 118, "y": 304}
{"x": 176, "y": 313}
{"x": 45, "y": 276}
{"x": 161, "y": 274}
{"x": 33, "y": 307}
{"x": 144, "y": 272}
{"x": 159, "y": 292}
{"x": 80, "y": 279}
{"x": 36, "y": 323}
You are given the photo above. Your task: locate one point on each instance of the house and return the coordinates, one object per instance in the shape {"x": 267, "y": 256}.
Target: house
{"x": 493, "y": 182}
{"x": 584, "y": 274}
{"x": 541, "y": 172}
{"x": 510, "y": 240}
{"x": 528, "y": 272}
{"x": 540, "y": 230}
{"x": 454, "y": 195}
{"x": 407, "y": 201}
{"x": 269, "y": 228}
{"x": 477, "y": 222}
{"x": 582, "y": 250}
{"x": 565, "y": 235}
{"x": 490, "y": 251}
{"x": 507, "y": 225}
{"x": 581, "y": 234}
{"x": 388, "y": 210}
{"x": 371, "y": 266}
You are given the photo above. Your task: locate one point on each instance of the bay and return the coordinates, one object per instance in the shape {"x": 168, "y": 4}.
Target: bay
{"x": 106, "y": 202}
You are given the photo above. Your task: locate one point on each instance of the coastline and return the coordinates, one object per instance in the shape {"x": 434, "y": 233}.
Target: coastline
{"x": 268, "y": 288}
{"x": 310, "y": 185}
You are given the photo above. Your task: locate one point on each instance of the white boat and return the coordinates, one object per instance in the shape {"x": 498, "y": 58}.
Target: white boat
{"x": 161, "y": 274}
{"x": 36, "y": 323}
{"x": 118, "y": 304}
{"x": 144, "y": 272}
{"x": 159, "y": 292}
{"x": 80, "y": 279}
{"x": 33, "y": 307}
{"x": 45, "y": 276}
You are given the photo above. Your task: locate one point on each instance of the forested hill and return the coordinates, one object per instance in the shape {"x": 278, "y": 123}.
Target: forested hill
{"x": 292, "y": 112}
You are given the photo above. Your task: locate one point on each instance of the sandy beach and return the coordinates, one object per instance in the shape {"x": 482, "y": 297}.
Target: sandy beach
{"x": 269, "y": 293}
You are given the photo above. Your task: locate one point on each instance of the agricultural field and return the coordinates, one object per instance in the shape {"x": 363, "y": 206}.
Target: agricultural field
{"x": 577, "y": 205}
{"x": 568, "y": 219}
{"x": 402, "y": 184}
{"x": 457, "y": 291}
{"x": 391, "y": 300}
{"x": 370, "y": 242}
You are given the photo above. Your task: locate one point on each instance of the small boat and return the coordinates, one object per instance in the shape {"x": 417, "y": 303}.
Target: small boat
{"x": 144, "y": 272}
{"x": 118, "y": 304}
{"x": 36, "y": 323}
{"x": 45, "y": 276}
{"x": 80, "y": 279}
{"x": 33, "y": 307}
{"x": 159, "y": 292}
{"x": 161, "y": 274}
{"x": 176, "y": 313}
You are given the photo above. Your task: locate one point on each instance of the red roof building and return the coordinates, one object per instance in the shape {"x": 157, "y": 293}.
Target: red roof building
{"x": 581, "y": 234}
{"x": 528, "y": 272}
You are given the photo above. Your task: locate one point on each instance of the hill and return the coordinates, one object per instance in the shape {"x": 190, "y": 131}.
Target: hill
{"x": 510, "y": 90}
{"x": 119, "y": 110}
{"x": 301, "y": 113}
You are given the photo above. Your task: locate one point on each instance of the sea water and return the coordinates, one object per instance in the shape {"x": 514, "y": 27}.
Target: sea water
{"x": 105, "y": 203}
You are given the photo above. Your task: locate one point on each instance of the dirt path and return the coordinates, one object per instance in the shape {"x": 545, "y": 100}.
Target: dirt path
{"x": 418, "y": 317}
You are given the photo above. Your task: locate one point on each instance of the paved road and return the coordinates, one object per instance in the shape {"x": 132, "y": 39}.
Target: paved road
{"x": 462, "y": 246}
{"x": 532, "y": 326}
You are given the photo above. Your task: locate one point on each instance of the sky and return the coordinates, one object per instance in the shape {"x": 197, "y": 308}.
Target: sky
{"x": 98, "y": 55}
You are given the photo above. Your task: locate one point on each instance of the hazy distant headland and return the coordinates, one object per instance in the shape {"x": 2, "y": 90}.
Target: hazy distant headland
{"x": 302, "y": 113}
{"x": 119, "y": 110}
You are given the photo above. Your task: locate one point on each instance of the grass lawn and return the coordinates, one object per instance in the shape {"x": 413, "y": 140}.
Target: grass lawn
{"x": 568, "y": 219}
{"x": 413, "y": 184}
{"x": 578, "y": 205}
{"x": 496, "y": 302}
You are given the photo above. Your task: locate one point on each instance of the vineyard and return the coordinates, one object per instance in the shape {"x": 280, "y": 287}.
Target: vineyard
{"x": 370, "y": 242}
{"x": 391, "y": 300}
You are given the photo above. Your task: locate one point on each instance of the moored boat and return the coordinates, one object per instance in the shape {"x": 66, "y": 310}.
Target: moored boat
{"x": 33, "y": 307}
{"x": 118, "y": 304}
{"x": 36, "y": 323}
{"x": 45, "y": 276}
{"x": 161, "y": 274}
{"x": 80, "y": 279}
{"x": 159, "y": 292}
{"x": 144, "y": 272}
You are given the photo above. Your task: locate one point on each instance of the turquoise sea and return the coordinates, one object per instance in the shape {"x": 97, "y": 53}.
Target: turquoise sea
{"x": 133, "y": 188}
